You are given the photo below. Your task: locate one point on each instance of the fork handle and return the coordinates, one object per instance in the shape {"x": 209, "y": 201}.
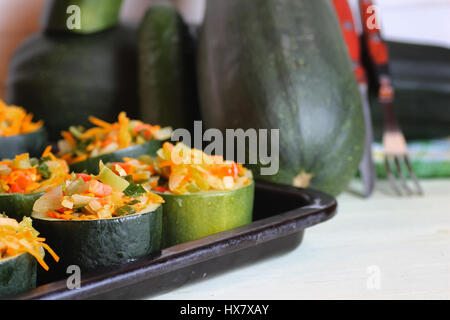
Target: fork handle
{"x": 351, "y": 38}
{"x": 376, "y": 47}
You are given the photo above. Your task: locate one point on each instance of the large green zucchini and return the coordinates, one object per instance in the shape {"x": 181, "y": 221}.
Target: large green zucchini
{"x": 33, "y": 143}
{"x": 17, "y": 274}
{"x": 91, "y": 165}
{"x": 61, "y": 78}
{"x": 276, "y": 64}
{"x": 93, "y": 244}
{"x": 421, "y": 78}
{"x": 192, "y": 216}
{"x": 18, "y": 205}
{"x": 167, "y": 80}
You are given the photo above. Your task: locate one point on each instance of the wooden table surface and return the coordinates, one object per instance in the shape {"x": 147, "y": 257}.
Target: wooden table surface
{"x": 384, "y": 247}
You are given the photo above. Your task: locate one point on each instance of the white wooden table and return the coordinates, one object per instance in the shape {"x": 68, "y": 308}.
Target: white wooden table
{"x": 382, "y": 248}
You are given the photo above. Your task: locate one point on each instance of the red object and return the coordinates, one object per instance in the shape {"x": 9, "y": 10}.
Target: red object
{"x": 351, "y": 37}
{"x": 161, "y": 189}
{"x": 377, "y": 48}
{"x": 15, "y": 188}
{"x": 84, "y": 176}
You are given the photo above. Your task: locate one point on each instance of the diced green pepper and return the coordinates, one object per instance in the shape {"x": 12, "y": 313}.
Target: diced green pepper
{"x": 125, "y": 210}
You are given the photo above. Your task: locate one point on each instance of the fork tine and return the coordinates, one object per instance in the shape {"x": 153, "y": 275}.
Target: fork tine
{"x": 391, "y": 176}
{"x": 402, "y": 176}
{"x": 413, "y": 176}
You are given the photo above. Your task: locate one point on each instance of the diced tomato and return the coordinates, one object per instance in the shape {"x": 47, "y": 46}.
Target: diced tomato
{"x": 227, "y": 170}
{"x": 84, "y": 176}
{"x": 15, "y": 188}
{"x": 23, "y": 180}
{"x": 99, "y": 189}
{"x": 161, "y": 189}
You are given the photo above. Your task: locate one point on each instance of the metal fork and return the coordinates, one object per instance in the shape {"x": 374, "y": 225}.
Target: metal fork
{"x": 394, "y": 143}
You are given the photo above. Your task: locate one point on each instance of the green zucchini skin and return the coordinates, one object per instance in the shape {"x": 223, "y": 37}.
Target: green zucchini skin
{"x": 90, "y": 165}
{"x": 192, "y": 216}
{"x": 284, "y": 65}
{"x": 17, "y": 274}
{"x": 167, "y": 79}
{"x": 95, "y": 15}
{"x": 33, "y": 143}
{"x": 18, "y": 205}
{"x": 63, "y": 78}
{"x": 101, "y": 243}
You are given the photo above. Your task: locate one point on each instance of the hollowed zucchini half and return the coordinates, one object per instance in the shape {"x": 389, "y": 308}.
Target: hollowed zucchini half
{"x": 192, "y": 216}
{"x": 17, "y": 274}
{"x": 90, "y": 165}
{"x": 18, "y": 205}
{"x": 33, "y": 143}
{"x": 93, "y": 244}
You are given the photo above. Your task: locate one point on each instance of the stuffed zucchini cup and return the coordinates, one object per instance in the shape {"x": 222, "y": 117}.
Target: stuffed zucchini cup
{"x": 83, "y": 149}
{"x": 19, "y": 134}
{"x": 203, "y": 194}
{"x": 20, "y": 247}
{"x": 99, "y": 221}
{"x": 23, "y": 180}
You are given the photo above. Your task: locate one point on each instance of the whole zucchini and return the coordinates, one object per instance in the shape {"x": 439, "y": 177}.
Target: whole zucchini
{"x": 276, "y": 64}
{"x": 167, "y": 79}
{"x": 62, "y": 77}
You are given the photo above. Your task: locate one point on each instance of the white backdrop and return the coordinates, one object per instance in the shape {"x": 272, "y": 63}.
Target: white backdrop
{"x": 419, "y": 21}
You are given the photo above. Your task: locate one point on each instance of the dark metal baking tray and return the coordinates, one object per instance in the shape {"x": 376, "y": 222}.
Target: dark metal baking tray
{"x": 281, "y": 214}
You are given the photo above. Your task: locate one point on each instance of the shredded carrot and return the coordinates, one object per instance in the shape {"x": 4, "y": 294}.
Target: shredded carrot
{"x": 107, "y": 137}
{"x": 47, "y": 151}
{"x": 14, "y": 120}
{"x": 99, "y": 123}
{"x": 18, "y": 238}
{"x": 69, "y": 138}
{"x": 20, "y": 176}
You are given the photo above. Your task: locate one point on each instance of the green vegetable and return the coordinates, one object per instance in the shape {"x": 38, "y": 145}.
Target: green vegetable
{"x": 62, "y": 78}
{"x": 94, "y": 15}
{"x": 91, "y": 164}
{"x": 167, "y": 77}
{"x": 192, "y": 216}
{"x": 18, "y": 205}
{"x": 134, "y": 191}
{"x": 125, "y": 210}
{"x": 33, "y": 143}
{"x": 17, "y": 274}
{"x": 284, "y": 65}
{"x": 108, "y": 177}
{"x": 93, "y": 244}
{"x": 43, "y": 170}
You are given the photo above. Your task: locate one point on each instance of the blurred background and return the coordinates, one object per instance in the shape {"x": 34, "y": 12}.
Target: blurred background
{"x": 417, "y": 21}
